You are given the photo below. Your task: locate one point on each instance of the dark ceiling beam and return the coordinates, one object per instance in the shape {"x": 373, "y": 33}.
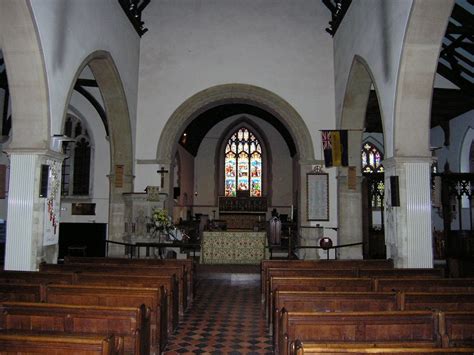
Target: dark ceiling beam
{"x": 87, "y": 83}
{"x": 98, "y": 107}
{"x": 461, "y": 15}
{"x": 338, "y": 10}
{"x": 453, "y": 45}
{"x": 457, "y": 80}
{"x": 3, "y": 80}
{"x": 453, "y": 29}
{"x": 133, "y": 9}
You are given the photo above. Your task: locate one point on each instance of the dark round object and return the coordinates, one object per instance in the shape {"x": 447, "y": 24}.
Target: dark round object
{"x": 325, "y": 243}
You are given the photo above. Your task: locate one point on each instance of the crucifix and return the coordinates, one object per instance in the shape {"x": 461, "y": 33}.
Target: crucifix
{"x": 162, "y": 173}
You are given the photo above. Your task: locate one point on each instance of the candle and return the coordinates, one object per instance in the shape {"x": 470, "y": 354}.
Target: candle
{"x": 291, "y": 213}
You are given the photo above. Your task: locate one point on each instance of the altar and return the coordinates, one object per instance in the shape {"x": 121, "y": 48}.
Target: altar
{"x": 233, "y": 247}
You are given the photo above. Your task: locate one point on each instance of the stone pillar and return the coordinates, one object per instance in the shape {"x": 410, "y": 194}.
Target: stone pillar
{"x": 349, "y": 217}
{"x": 120, "y": 182}
{"x": 32, "y": 230}
{"x": 408, "y": 226}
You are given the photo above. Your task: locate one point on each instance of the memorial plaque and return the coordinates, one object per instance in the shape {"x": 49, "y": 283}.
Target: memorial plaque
{"x": 318, "y": 196}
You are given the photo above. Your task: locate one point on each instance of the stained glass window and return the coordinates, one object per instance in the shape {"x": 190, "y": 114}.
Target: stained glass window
{"x": 371, "y": 159}
{"x": 77, "y": 164}
{"x": 243, "y": 164}
{"x": 372, "y": 163}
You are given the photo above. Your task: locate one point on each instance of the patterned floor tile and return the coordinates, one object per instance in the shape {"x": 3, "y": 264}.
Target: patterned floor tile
{"x": 226, "y": 318}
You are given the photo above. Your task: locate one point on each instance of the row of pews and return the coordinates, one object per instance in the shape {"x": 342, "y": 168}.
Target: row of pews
{"x": 94, "y": 306}
{"x": 365, "y": 306}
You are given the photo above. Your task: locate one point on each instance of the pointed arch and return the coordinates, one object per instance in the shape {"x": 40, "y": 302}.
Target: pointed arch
{"x": 110, "y": 85}
{"x": 244, "y": 122}
{"x": 27, "y": 81}
{"x": 419, "y": 59}
{"x": 464, "y": 158}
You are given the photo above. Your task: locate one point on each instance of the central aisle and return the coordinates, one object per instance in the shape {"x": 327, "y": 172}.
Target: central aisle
{"x": 225, "y": 318}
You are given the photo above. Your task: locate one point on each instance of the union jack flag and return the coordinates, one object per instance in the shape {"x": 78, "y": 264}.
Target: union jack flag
{"x": 326, "y": 136}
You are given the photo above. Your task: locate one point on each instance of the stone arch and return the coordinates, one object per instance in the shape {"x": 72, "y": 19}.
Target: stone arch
{"x": 357, "y": 94}
{"x": 350, "y": 214}
{"x": 235, "y": 93}
{"x": 423, "y": 37}
{"x": 464, "y": 157}
{"x": 27, "y": 82}
{"x": 108, "y": 79}
{"x": 113, "y": 95}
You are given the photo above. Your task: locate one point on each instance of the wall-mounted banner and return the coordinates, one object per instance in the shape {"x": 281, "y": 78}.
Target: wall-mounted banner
{"x": 335, "y": 148}
{"x": 52, "y": 204}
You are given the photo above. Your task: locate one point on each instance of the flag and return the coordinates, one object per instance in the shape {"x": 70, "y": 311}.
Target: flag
{"x": 335, "y": 148}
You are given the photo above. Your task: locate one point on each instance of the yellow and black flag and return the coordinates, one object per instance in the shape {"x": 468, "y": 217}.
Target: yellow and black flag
{"x": 335, "y": 148}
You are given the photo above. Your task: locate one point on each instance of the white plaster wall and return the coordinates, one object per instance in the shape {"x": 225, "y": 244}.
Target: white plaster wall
{"x": 373, "y": 30}
{"x": 205, "y": 165}
{"x": 278, "y": 45}
{"x": 69, "y": 31}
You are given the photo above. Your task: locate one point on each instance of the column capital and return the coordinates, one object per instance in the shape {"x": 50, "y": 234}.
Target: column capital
{"x": 395, "y": 161}
{"x": 39, "y": 152}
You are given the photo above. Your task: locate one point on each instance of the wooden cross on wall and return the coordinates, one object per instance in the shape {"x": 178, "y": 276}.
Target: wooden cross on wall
{"x": 162, "y": 173}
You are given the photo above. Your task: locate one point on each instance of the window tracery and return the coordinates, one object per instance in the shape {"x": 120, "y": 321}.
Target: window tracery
{"x": 243, "y": 164}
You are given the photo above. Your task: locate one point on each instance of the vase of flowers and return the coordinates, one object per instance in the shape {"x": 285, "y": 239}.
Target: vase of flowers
{"x": 160, "y": 220}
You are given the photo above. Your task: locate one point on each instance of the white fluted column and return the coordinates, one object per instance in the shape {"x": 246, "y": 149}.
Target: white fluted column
{"x": 25, "y": 246}
{"x": 349, "y": 218}
{"x": 408, "y": 226}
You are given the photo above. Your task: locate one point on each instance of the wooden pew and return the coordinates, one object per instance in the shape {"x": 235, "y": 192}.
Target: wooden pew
{"x": 170, "y": 283}
{"x": 117, "y": 296}
{"x": 424, "y": 285}
{"x": 314, "y": 284}
{"x": 130, "y": 323}
{"x": 24, "y": 342}
{"x": 320, "y": 265}
{"x": 35, "y": 277}
{"x": 457, "y": 328}
{"x": 401, "y": 273}
{"x": 418, "y": 301}
{"x": 21, "y": 292}
{"x": 179, "y": 271}
{"x": 307, "y": 301}
{"x": 188, "y": 264}
{"x": 299, "y": 348}
{"x": 410, "y": 328}
{"x": 299, "y": 272}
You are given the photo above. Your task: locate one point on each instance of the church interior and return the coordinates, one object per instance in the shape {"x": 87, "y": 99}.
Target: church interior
{"x": 237, "y": 176}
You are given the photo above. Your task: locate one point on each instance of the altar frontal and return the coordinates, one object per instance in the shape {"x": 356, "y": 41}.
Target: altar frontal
{"x": 235, "y": 247}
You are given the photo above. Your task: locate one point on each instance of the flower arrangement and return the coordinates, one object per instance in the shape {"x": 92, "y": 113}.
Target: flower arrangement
{"x": 160, "y": 218}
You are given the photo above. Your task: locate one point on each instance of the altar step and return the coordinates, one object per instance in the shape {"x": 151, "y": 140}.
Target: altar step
{"x": 234, "y": 273}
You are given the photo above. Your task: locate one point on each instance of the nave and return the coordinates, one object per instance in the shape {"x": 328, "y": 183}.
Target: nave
{"x": 226, "y": 316}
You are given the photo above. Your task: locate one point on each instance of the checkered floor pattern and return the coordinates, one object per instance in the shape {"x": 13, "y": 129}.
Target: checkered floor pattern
{"x": 225, "y": 318}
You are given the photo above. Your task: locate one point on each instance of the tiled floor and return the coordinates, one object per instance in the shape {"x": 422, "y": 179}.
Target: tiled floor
{"x": 225, "y": 318}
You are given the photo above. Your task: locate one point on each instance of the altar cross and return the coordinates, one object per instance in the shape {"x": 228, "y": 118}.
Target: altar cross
{"x": 162, "y": 173}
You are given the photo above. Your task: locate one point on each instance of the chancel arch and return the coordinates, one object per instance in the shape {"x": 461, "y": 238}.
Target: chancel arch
{"x": 207, "y": 108}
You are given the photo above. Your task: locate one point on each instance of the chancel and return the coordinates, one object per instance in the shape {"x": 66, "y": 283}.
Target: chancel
{"x": 236, "y": 157}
